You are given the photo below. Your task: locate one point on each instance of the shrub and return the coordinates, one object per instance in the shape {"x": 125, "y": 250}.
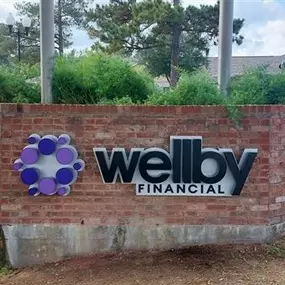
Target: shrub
{"x": 116, "y": 101}
{"x": 258, "y": 86}
{"x": 14, "y": 86}
{"x": 93, "y": 78}
{"x": 276, "y": 90}
{"x": 197, "y": 88}
{"x": 251, "y": 87}
{"x": 104, "y": 79}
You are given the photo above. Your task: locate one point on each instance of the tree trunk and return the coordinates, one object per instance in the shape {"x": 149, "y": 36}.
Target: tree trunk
{"x": 60, "y": 32}
{"x": 167, "y": 77}
{"x": 176, "y": 32}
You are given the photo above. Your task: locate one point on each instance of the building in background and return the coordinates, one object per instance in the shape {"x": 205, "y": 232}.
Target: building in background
{"x": 240, "y": 64}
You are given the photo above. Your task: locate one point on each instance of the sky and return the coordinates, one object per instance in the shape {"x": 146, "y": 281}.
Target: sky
{"x": 264, "y": 28}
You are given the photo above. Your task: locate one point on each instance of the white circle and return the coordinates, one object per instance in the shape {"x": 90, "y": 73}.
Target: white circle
{"x": 209, "y": 167}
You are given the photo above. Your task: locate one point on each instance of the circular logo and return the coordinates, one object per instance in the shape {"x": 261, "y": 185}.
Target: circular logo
{"x": 49, "y": 165}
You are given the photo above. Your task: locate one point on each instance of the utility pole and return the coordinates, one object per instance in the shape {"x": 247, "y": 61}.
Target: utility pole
{"x": 47, "y": 49}
{"x": 225, "y": 44}
{"x": 176, "y": 33}
{"x": 60, "y": 32}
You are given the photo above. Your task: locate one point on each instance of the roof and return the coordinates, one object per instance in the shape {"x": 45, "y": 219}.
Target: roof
{"x": 242, "y": 63}
{"x": 239, "y": 65}
{"x": 162, "y": 82}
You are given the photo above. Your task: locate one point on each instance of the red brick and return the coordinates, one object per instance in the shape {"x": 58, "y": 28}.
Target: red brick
{"x": 143, "y": 126}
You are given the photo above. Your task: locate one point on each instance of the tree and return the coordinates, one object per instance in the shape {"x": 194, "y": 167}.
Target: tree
{"x": 6, "y": 44}
{"x": 192, "y": 55}
{"x": 134, "y": 26}
{"x": 175, "y": 40}
{"x": 68, "y": 14}
{"x": 29, "y": 46}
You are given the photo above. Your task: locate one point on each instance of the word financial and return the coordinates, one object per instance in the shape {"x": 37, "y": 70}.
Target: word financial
{"x": 186, "y": 170}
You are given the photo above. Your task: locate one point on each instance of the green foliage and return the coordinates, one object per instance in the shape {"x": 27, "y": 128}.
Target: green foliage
{"x": 277, "y": 250}
{"x": 251, "y": 87}
{"x": 157, "y": 30}
{"x": 68, "y": 14}
{"x": 14, "y": 86}
{"x": 206, "y": 20}
{"x": 26, "y": 71}
{"x": 276, "y": 92}
{"x": 96, "y": 78}
{"x": 122, "y": 25}
{"x": 192, "y": 55}
{"x": 117, "y": 101}
{"x": 7, "y": 46}
{"x": 192, "y": 89}
{"x": 258, "y": 86}
{"x": 29, "y": 46}
{"x": 4, "y": 271}
{"x": 233, "y": 111}
{"x": 104, "y": 79}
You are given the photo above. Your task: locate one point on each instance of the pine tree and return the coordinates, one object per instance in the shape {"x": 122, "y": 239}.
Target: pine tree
{"x": 133, "y": 27}
{"x": 68, "y": 14}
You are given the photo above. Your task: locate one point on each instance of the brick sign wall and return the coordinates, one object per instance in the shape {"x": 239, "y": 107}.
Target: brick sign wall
{"x": 93, "y": 203}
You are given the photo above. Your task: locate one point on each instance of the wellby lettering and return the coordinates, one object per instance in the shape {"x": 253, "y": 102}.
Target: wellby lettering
{"x": 187, "y": 169}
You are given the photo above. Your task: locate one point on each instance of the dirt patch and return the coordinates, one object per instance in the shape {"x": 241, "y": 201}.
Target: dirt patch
{"x": 209, "y": 265}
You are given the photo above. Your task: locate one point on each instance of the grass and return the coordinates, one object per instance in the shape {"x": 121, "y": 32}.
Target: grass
{"x": 277, "y": 250}
{"x": 5, "y": 270}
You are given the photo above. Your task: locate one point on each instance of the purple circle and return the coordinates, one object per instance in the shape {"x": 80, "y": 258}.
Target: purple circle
{"x": 29, "y": 155}
{"x": 64, "y": 176}
{"x": 30, "y": 176}
{"x": 17, "y": 166}
{"x": 32, "y": 140}
{"x": 64, "y": 156}
{"x": 33, "y": 191}
{"x": 47, "y": 186}
{"x": 62, "y": 140}
{"x": 47, "y": 146}
{"x": 77, "y": 166}
{"x": 61, "y": 191}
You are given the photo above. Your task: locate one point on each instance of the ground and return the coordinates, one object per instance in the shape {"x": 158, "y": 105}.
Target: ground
{"x": 206, "y": 265}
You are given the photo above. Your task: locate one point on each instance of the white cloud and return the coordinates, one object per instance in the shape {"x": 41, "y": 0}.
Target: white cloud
{"x": 5, "y": 9}
{"x": 264, "y": 28}
{"x": 272, "y": 37}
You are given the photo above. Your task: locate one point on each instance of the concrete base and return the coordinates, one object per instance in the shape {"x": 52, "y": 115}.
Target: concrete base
{"x": 28, "y": 245}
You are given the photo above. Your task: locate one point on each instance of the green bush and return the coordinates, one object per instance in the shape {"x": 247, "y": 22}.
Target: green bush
{"x": 116, "y": 101}
{"x": 258, "y": 86}
{"x": 197, "y": 88}
{"x": 276, "y": 91}
{"x": 14, "y": 87}
{"x": 251, "y": 87}
{"x": 95, "y": 78}
{"x": 103, "y": 79}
